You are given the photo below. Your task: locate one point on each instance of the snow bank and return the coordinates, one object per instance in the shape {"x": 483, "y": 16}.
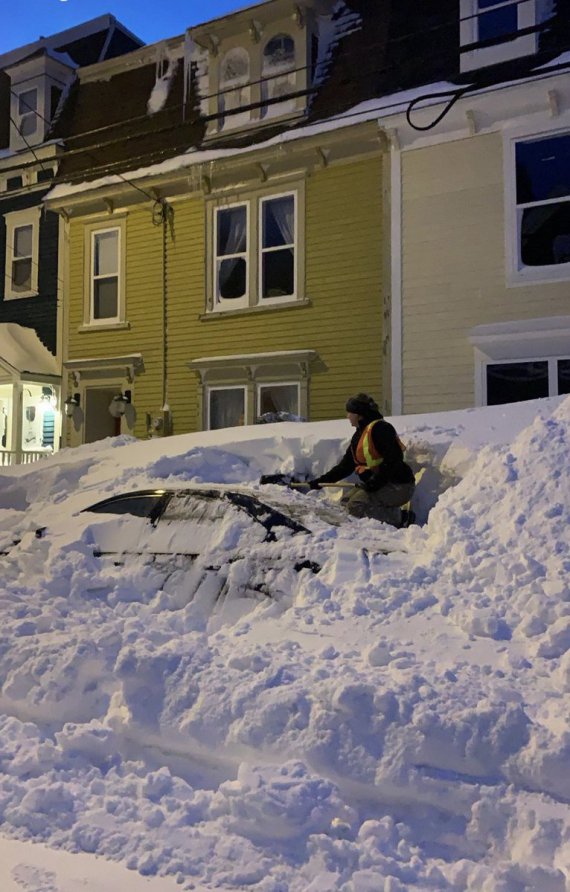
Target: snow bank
{"x": 397, "y": 721}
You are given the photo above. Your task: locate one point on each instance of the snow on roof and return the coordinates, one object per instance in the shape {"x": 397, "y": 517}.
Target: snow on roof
{"x": 370, "y": 110}
{"x": 23, "y": 352}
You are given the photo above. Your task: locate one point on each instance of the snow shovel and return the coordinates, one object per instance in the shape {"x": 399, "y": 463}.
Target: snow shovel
{"x": 294, "y": 483}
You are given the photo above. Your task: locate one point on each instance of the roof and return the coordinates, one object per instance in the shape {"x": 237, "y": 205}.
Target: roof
{"x": 22, "y": 352}
{"x": 77, "y": 42}
{"x": 376, "y": 50}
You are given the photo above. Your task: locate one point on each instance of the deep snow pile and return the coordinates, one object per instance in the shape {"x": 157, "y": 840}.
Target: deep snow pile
{"x": 397, "y": 721}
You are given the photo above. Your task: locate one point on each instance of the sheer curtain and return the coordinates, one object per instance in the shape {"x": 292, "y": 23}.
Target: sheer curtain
{"x": 227, "y": 407}
{"x": 232, "y": 240}
{"x": 281, "y": 213}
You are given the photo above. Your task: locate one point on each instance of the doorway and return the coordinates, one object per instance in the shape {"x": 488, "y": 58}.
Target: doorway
{"x": 99, "y": 423}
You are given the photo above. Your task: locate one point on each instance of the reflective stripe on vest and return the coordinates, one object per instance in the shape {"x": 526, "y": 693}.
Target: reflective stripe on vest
{"x": 367, "y": 456}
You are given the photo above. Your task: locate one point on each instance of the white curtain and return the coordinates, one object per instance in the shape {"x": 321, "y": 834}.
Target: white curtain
{"x": 282, "y": 211}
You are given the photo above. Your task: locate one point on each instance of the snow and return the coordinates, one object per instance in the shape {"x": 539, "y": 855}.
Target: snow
{"x": 370, "y": 110}
{"x": 397, "y": 721}
{"x": 22, "y": 350}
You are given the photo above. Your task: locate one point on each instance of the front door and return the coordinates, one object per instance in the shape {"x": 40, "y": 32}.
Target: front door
{"x": 99, "y": 423}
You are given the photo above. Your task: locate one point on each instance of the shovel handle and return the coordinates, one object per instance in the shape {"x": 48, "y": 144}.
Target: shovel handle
{"x": 305, "y": 485}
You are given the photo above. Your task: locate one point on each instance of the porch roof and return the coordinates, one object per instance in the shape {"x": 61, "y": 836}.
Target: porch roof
{"x": 22, "y": 353}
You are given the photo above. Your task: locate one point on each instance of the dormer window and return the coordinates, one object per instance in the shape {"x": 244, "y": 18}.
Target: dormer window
{"x": 235, "y": 91}
{"x": 27, "y": 112}
{"x": 279, "y": 53}
{"x": 278, "y": 72}
{"x": 494, "y": 31}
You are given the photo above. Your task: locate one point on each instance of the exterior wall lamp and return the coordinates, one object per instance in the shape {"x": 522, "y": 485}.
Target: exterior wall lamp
{"x": 119, "y": 403}
{"x": 71, "y": 404}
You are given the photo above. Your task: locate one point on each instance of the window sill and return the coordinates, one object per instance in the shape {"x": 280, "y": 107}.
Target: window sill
{"x": 104, "y": 326}
{"x": 538, "y": 276}
{"x": 249, "y": 311}
{"x": 20, "y": 296}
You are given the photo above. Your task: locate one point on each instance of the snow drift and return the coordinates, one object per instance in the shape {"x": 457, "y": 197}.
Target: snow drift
{"x": 397, "y": 721}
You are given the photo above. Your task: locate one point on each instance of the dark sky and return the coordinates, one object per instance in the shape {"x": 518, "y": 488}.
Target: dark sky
{"x": 150, "y": 20}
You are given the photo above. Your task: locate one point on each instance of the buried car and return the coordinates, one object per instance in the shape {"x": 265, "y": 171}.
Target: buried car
{"x": 229, "y": 533}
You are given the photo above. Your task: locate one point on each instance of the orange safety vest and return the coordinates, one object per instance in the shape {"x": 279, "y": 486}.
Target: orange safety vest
{"x": 367, "y": 456}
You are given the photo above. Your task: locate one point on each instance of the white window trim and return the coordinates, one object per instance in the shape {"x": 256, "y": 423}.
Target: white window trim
{"x": 267, "y": 301}
{"x": 516, "y": 274}
{"x": 22, "y": 115}
{"x": 532, "y": 340}
{"x": 525, "y": 45}
{"x": 221, "y": 304}
{"x": 211, "y": 388}
{"x": 15, "y": 220}
{"x": 254, "y": 201}
{"x": 263, "y": 384}
{"x": 117, "y": 223}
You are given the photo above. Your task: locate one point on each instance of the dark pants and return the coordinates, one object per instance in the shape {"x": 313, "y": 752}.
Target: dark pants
{"x": 384, "y": 504}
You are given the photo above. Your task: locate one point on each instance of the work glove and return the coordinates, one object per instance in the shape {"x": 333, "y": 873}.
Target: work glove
{"x": 314, "y": 484}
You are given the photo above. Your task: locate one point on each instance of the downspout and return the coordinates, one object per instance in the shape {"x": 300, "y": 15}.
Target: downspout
{"x": 61, "y": 314}
{"x": 396, "y": 337}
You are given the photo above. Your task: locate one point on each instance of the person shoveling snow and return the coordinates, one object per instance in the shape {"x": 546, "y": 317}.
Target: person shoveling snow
{"x": 376, "y": 455}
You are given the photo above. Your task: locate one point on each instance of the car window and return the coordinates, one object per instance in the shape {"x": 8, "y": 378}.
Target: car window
{"x": 204, "y": 506}
{"x": 137, "y": 504}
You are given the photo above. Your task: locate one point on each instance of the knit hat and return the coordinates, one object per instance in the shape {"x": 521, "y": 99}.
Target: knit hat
{"x": 362, "y": 404}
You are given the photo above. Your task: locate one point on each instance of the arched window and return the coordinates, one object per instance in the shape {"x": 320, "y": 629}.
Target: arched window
{"x": 279, "y": 52}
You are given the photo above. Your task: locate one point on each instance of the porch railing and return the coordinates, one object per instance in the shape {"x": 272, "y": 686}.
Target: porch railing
{"x": 20, "y": 456}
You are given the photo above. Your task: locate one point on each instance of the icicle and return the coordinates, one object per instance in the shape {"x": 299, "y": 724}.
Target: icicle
{"x": 189, "y": 50}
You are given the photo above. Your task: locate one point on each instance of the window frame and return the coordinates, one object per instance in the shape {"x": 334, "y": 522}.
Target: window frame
{"x": 91, "y": 229}
{"x": 21, "y": 116}
{"x": 502, "y": 51}
{"x": 552, "y": 367}
{"x": 544, "y": 339}
{"x": 516, "y": 273}
{"x": 214, "y": 387}
{"x": 255, "y": 200}
{"x": 261, "y": 384}
{"x": 239, "y": 302}
{"x": 261, "y": 251}
{"x": 18, "y": 220}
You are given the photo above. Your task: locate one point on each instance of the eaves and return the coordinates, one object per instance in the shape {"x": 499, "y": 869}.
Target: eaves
{"x": 217, "y": 170}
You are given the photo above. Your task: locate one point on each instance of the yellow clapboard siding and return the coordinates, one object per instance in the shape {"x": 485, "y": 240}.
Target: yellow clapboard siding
{"x": 343, "y": 320}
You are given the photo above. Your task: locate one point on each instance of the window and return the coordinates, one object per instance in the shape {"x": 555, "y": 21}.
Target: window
{"x": 104, "y": 302}
{"x": 276, "y": 399}
{"x": 278, "y": 72}
{"x": 543, "y": 200}
{"x": 22, "y": 254}
{"x": 277, "y": 246}
{"x": 105, "y": 284}
{"x": 494, "y": 31}
{"x": 226, "y": 407}
{"x": 235, "y": 91}
{"x": 540, "y": 218}
{"x": 27, "y": 112}
{"x": 513, "y": 382}
{"x": 255, "y": 248}
{"x": 231, "y": 255}
{"x": 521, "y": 360}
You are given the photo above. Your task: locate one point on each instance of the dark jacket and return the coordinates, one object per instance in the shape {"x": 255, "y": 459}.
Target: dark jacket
{"x": 393, "y": 468}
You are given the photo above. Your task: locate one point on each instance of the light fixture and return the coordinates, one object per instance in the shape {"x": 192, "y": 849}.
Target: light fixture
{"x": 71, "y": 404}
{"x": 119, "y": 403}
